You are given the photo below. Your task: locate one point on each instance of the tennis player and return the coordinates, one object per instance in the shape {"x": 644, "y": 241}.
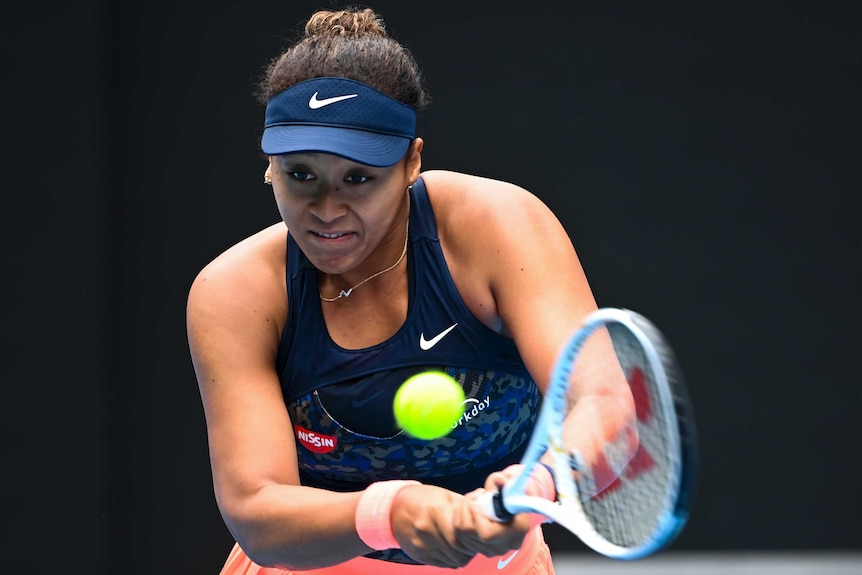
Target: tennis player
{"x": 301, "y": 334}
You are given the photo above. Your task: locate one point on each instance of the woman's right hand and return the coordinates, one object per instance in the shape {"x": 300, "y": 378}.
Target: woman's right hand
{"x": 435, "y": 526}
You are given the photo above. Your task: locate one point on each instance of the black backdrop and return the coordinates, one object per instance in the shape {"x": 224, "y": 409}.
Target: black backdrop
{"x": 704, "y": 160}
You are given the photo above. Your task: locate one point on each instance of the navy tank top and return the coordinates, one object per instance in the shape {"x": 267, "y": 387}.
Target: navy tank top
{"x": 340, "y": 400}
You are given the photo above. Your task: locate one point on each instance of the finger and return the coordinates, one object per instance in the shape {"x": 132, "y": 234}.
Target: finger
{"x": 435, "y": 550}
{"x": 452, "y": 523}
{"x": 492, "y": 538}
{"x": 475, "y": 494}
{"x": 473, "y": 533}
{"x": 499, "y": 478}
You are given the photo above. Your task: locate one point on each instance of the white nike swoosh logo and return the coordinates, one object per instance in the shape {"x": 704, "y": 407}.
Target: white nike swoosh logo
{"x": 501, "y": 563}
{"x": 427, "y": 344}
{"x": 314, "y": 103}
{"x": 359, "y": 402}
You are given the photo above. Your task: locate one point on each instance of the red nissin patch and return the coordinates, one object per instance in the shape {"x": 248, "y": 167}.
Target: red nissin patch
{"x": 316, "y": 442}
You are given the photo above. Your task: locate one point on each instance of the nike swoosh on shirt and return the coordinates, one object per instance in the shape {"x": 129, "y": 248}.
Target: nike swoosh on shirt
{"x": 314, "y": 103}
{"x": 427, "y": 344}
{"x": 360, "y": 401}
{"x": 501, "y": 563}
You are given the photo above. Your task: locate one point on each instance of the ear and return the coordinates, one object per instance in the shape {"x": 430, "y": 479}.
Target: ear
{"x": 267, "y": 174}
{"x": 413, "y": 165}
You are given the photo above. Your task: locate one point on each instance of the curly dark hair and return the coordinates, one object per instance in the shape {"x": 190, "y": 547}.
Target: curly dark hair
{"x": 348, "y": 43}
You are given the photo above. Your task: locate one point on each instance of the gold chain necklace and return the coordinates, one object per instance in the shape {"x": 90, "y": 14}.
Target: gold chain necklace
{"x": 348, "y": 291}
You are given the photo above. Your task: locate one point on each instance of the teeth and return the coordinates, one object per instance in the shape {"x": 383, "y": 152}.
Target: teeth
{"x": 330, "y": 236}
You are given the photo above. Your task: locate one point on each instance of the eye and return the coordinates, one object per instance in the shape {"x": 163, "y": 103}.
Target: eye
{"x": 356, "y": 179}
{"x": 300, "y": 176}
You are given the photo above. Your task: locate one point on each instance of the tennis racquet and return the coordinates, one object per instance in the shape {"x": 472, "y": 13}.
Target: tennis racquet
{"x": 630, "y": 497}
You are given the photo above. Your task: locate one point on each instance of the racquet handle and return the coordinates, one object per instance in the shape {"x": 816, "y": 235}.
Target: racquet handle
{"x": 539, "y": 486}
{"x": 491, "y": 503}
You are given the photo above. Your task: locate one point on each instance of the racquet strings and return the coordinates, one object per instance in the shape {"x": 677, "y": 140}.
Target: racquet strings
{"x": 628, "y": 494}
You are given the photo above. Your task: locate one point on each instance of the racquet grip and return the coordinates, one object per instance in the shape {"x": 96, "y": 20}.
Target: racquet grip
{"x": 499, "y": 508}
{"x": 540, "y": 484}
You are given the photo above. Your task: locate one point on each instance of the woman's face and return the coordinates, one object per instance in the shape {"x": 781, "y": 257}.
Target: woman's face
{"x": 340, "y": 211}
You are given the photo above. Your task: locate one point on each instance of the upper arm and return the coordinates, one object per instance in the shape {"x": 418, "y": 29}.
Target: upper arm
{"x": 233, "y": 332}
{"x": 523, "y": 255}
{"x": 542, "y": 296}
{"x": 505, "y": 239}
{"x": 539, "y": 285}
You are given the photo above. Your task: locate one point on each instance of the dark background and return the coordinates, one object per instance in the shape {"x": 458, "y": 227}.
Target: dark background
{"x": 703, "y": 158}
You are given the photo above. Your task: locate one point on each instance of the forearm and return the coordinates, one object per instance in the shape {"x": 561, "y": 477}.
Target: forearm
{"x": 296, "y": 527}
{"x": 301, "y": 528}
{"x": 602, "y": 430}
{"x": 602, "y": 417}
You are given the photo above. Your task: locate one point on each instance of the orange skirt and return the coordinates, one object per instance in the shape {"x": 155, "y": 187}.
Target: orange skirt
{"x": 533, "y": 558}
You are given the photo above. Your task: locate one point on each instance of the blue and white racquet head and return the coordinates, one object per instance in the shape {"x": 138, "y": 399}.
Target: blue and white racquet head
{"x": 630, "y": 496}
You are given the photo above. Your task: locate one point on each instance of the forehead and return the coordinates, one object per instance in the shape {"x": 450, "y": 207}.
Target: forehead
{"x": 323, "y": 161}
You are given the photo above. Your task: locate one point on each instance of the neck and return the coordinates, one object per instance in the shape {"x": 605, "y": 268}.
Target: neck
{"x": 345, "y": 292}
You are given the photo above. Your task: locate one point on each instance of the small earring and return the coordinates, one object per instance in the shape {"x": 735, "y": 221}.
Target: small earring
{"x": 267, "y": 179}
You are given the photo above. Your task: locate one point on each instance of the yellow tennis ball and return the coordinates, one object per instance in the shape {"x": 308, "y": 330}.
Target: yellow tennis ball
{"x": 429, "y": 404}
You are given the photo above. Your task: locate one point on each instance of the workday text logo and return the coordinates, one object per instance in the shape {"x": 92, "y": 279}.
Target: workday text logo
{"x": 472, "y": 408}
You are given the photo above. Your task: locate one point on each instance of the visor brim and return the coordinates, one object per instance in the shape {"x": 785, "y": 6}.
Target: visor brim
{"x": 369, "y": 148}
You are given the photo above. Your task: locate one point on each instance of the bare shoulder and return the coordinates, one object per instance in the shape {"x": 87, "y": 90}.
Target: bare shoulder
{"x": 469, "y": 207}
{"x": 493, "y": 235}
{"x": 246, "y": 279}
{"x": 513, "y": 263}
{"x": 467, "y": 190}
{"x": 259, "y": 244}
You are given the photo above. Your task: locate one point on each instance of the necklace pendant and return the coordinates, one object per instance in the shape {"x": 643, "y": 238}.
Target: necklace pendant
{"x": 347, "y": 292}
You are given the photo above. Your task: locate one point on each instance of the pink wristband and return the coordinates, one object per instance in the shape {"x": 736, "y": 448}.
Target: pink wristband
{"x": 374, "y": 513}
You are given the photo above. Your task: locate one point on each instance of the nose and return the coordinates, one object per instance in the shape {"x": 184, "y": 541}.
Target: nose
{"x": 328, "y": 206}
